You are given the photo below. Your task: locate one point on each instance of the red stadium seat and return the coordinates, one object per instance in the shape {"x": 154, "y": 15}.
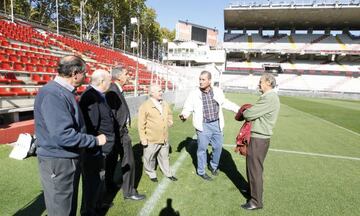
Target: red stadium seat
{"x": 18, "y": 66}
{"x": 6, "y": 65}
{"x": 47, "y": 77}
{"x": 13, "y": 58}
{"x": 20, "y": 92}
{"x": 37, "y": 79}
{"x": 3, "y": 57}
{"x": 4, "y": 80}
{"x": 5, "y": 43}
{"x": 12, "y": 78}
{"x": 5, "y": 92}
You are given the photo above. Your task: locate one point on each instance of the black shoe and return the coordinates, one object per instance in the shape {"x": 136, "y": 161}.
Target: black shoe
{"x": 154, "y": 179}
{"x": 205, "y": 177}
{"x": 173, "y": 178}
{"x": 214, "y": 172}
{"x": 250, "y": 206}
{"x": 107, "y": 205}
{"x": 135, "y": 197}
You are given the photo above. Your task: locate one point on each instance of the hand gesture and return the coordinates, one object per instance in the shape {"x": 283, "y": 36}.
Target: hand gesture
{"x": 101, "y": 139}
{"x": 182, "y": 118}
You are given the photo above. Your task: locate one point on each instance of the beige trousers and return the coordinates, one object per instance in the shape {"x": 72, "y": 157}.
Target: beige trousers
{"x": 159, "y": 152}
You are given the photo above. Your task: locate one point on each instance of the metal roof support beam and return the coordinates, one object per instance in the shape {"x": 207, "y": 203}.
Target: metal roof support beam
{"x": 276, "y": 32}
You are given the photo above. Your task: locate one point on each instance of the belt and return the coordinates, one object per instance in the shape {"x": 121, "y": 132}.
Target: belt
{"x": 206, "y": 121}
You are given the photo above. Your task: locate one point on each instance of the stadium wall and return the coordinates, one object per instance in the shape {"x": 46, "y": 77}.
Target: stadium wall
{"x": 9, "y": 133}
{"x": 312, "y": 94}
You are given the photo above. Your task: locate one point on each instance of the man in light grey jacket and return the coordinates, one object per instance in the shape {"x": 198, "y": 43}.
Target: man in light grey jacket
{"x": 206, "y": 103}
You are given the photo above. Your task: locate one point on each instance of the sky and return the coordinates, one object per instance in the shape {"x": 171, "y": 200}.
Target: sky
{"x": 209, "y": 13}
{"x": 206, "y": 13}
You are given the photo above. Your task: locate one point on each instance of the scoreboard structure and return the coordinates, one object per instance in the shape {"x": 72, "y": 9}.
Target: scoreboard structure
{"x": 186, "y": 31}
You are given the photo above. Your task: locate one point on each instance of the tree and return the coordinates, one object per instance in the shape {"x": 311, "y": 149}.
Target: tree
{"x": 167, "y": 34}
{"x": 119, "y": 11}
{"x": 21, "y": 7}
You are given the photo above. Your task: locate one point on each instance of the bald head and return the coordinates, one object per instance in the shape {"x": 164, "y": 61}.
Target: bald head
{"x": 101, "y": 79}
{"x": 155, "y": 92}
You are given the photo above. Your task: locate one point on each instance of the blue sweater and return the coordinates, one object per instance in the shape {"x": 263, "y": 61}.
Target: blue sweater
{"x": 59, "y": 124}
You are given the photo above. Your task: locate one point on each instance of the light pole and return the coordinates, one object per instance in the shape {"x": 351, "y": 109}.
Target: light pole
{"x": 124, "y": 39}
{"x": 82, "y": 5}
{"x": 98, "y": 18}
{"x": 12, "y": 10}
{"x": 136, "y": 21}
{"x": 57, "y": 17}
{"x": 164, "y": 51}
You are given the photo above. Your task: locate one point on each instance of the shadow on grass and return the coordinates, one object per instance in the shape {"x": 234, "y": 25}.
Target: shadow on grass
{"x": 169, "y": 210}
{"x": 138, "y": 153}
{"x": 228, "y": 166}
{"x": 113, "y": 190}
{"x": 35, "y": 207}
{"x": 190, "y": 146}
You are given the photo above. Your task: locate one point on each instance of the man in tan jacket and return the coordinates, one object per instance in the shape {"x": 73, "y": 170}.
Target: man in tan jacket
{"x": 155, "y": 117}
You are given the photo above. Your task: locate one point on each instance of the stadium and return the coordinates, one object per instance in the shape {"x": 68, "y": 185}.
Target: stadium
{"x": 312, "y": 49}
{"x": 308, "y": 43}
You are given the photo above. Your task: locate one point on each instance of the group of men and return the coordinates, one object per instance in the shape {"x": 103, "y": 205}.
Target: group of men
{"x": 90, "y": 137}
{"x": 206, "y": 103}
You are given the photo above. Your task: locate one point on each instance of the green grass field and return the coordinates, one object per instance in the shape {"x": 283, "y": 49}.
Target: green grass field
{"x": 312, "y": 168}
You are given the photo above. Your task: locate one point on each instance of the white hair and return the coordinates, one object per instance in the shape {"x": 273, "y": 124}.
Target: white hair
{"x": 270, "y": 78}
{"x": 98, "y": 76}
{"x": 153, "y": 88}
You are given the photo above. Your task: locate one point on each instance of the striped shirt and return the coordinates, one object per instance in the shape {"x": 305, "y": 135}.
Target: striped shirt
{"x": 210, "y": 107}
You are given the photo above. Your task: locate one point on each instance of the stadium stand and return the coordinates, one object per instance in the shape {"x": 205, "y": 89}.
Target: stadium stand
{"x": 308, "y": 52}
{"x": 28, "y": 60}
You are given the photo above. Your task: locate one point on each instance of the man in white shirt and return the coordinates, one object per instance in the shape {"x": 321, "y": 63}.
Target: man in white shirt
{"x": 206, "y": 103}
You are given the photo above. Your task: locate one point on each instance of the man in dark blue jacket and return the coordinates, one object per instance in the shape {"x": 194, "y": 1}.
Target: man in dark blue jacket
{"x": 61, "y": 133}
{"x": 98, "y": 119}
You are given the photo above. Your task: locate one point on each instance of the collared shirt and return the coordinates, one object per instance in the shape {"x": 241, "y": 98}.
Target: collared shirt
{"x": 119, "y": 86}
{"x": 158, "y": 105}
{"x": 210, "y": 106}
{"x": 65, "y": 84}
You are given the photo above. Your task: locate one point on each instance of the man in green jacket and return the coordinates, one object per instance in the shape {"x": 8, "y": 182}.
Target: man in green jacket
{"x": 263, "y": 116}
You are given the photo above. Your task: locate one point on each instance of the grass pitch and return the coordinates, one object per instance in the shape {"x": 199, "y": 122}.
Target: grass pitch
{"x": 312, "y": 168}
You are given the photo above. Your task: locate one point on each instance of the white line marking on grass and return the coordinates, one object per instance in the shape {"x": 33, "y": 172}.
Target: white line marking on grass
{"x": 161, "y": 188}
{"x": 323, "y": 120}
{"x": 316, "y": 154}
{"x": 306, "y": 153}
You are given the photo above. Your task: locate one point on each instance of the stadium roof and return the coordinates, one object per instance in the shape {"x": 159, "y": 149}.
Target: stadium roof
{"x": 302, "y": 17}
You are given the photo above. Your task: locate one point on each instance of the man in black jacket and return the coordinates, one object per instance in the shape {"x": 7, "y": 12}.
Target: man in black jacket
{"x": 117, "y": 102}
{"x": 98, "y": 119}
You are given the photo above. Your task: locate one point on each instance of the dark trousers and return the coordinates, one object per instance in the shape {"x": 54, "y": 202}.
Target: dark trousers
{"x": 93, "y": 183}
{"x": 60, "y": 181}
{"x": 256, "y": 154}
{"x": 126, "y": 164}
